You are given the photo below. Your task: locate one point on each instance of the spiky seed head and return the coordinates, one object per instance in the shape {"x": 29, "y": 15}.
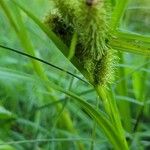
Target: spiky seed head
{"x": 92, "y": 26}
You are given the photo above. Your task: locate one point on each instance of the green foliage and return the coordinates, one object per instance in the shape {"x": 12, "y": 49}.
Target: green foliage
{"x": 46, "y": 107}
{"x": 6, "y": 147}
{"x": 5, "y": 114}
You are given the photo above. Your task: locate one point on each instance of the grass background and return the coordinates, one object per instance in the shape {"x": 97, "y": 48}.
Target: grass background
{"x": 26, "y": 108}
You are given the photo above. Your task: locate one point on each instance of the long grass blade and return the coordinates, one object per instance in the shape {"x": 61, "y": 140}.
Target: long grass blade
{"x": 128, "y": 45}
{"x": 133, "y": 36}
{"x": 99, "y": 117}
{"x": 42, "y": 61}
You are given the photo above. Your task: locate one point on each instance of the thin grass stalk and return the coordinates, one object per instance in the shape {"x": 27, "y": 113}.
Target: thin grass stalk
{"x": 112, "y": 110}
{"x": 124, "y": 107}
{"x": 141, "y": 96}
{"x": 72, "y": 46}
{"x": 118, "y": 13}
{"x": 93, "y": 136}
{"x": 42, "y": 61}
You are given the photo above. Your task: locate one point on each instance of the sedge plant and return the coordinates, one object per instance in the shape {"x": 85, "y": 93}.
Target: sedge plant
{"x": 87, "y": 33}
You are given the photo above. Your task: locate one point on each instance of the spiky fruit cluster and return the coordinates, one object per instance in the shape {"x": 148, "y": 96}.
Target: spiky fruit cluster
{"x": 90, "y": 20}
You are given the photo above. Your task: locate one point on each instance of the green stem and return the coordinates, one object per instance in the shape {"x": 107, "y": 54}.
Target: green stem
{"x": 124, "y": 107}
{"x": 112, "y": 110}
{"x": 93, "y": 136}
{"x": 117, "y": 14}
{"x": 142, "y": 78}
{"x": 73, "y": 46}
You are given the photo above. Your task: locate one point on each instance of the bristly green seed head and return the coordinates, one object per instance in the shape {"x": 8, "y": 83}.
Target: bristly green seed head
{"x": 90, "y": 19}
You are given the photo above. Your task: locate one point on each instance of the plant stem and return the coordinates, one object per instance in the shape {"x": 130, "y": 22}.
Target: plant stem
{"x": 73, "y": 46}
{"x": 141, "y": 95}
{"x": 124, "y": 107}
{"x": 117, "y": 14}
{"x": 112, "y": 111}
{"x": 93, "y": 136}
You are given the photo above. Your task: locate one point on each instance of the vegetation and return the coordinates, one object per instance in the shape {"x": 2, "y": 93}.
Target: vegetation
{"x": 74, "y": 74}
